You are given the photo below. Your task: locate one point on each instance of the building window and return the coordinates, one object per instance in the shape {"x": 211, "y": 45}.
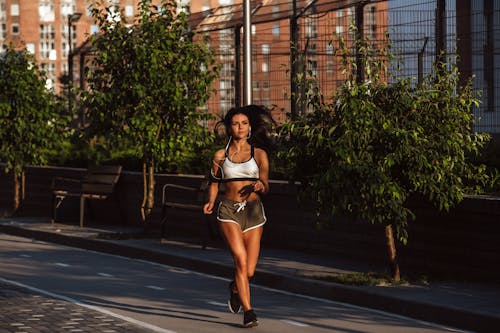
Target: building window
{"x": 265, "y": 67}
{"x": 15, "y": 29}
{"x": 371, "y": 22}
{"x": 68, "y": 7}
{"x": 3, "y": 31}
{"x": 265, "y": 84}
{"x": 14, "y": 9}
{"x": 276, "y": 30}
{"x": 330, "y": 66}
{"x": 47, "y": 42}
{"x": 129, "y": 11}
{"x": 3, "y": 10}
{"x": 313, "y": 67}
{"x": 94, "y": 29}
{"x": 47, "y": 31}
{"x": 50, "y": 69}
{"x": 30, "y": 47}
{"x": 265, "y": 49}
{"x": 65, "y": 40}
{"x": 329, "y": 48}
{"x": 46, "y": 10}
{"x": 311, "y": 27}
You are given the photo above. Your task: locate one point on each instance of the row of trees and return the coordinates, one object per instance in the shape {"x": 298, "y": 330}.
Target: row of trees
{"x": 363, "y": 153}
{"x": 146, "y": 85}
{"x": 380, "y": 143}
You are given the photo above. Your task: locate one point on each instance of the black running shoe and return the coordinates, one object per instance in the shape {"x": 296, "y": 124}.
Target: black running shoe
{"x": 233, "y": 302}
{"x": 250, "y": 319}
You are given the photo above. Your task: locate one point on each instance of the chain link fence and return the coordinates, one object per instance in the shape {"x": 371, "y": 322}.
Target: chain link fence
{"x": 299, "y": 39}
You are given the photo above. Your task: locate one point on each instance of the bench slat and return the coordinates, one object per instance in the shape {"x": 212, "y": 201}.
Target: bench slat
{"x": 97, "y": 188}
{"x": 101, "y": 178}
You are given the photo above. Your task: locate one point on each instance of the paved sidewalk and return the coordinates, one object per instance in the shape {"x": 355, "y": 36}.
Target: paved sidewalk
{"x": 25, "y": 311}
{"x": 473, "y": 307}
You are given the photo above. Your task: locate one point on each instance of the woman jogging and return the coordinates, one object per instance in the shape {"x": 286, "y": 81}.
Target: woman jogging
{"x": 243, "y": 167}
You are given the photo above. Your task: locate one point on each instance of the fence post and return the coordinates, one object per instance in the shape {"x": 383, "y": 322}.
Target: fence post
{"x": 440, "y": 31}
{"x": 237, "y": 66}
{"x": 294, "y": 44}
{"x": 359, "y": 20}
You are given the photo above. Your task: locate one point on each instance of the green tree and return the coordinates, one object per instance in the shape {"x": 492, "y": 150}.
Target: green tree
{"x": 147, "y": 84}
{"x": 31, "y": 118}
{"x": 377, "y": 145}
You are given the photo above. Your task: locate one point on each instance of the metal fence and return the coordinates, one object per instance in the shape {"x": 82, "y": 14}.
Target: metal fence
{"x": 298, "y": 38}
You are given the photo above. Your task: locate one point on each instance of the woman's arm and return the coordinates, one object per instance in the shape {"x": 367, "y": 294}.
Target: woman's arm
{"x": 213, "y": 188}
{"x": 262, "y": 184}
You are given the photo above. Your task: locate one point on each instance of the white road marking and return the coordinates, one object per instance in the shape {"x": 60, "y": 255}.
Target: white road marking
{"x": 155, "y": 288}
{"x": 105, "y": 274}
{"x": 61, "y": 264}
{"x": 217, "y": 303}
{"x": 293, "y": 322}
{"x": 92, "y": 307}
{"x": 25, "y": 255}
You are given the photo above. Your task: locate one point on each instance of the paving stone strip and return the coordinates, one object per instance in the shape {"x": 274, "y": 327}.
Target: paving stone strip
{"x": 23, "y": 311}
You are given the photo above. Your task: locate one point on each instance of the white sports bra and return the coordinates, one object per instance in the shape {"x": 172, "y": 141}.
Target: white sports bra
{"x": 231, "y": 171}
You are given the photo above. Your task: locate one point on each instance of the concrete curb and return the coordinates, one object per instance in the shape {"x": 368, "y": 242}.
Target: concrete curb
{"x": 332, "y": 291}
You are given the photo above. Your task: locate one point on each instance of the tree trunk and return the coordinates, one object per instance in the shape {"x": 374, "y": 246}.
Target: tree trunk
{"x": 19, "y": 189}
{"x": 148, "y": 182}
{"x": 16, "y": 202}
{"x": 391, "y": 251}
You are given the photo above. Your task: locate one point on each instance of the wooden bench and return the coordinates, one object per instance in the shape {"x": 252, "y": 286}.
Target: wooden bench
{"x": 191, "y": 198}
{"x": 98, "y": 183}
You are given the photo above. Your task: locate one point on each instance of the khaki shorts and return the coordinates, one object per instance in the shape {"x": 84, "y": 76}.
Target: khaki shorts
{"x": 247, "y": 214}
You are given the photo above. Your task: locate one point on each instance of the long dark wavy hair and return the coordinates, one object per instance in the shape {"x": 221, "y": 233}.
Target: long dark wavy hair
{"x": 261, "y": 122}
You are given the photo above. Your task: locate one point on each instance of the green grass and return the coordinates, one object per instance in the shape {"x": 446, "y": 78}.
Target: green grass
{"x": 360, "y": 279}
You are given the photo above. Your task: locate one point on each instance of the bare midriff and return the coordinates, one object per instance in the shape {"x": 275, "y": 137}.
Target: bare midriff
{"x": 240, "y": 191}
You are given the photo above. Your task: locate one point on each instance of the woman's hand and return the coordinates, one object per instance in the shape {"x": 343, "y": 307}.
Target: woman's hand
{"x": 259, "y": 186}
{"x": 208, "y": 208}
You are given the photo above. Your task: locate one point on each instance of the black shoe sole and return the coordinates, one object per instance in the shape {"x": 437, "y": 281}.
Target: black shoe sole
{"x": 251, "y": 324}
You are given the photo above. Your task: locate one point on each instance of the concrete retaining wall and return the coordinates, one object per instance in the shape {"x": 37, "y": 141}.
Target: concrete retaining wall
{"x": 461, "y": 242}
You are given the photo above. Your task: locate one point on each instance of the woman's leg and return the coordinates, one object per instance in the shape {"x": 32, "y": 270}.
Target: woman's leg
{"x": 252, "y": 240}
{"x": 234, "y": 238}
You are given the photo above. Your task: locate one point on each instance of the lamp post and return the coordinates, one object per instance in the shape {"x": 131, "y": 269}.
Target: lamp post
{"x": 71, "y": 19}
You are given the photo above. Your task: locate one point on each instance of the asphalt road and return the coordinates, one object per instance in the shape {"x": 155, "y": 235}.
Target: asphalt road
{"x": 141, "y": 296}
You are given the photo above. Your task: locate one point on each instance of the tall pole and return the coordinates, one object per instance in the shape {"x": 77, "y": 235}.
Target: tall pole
{"x": 359, "y": 18}
{"x": 489, "y": 58}
{"x": 294, "y": 44}
{"x": 441, "y": 32}
{"x": 71, "y": 18}
{"x": 247, "y": 54}
{"x": 237, "y": 65}
{"x": 70, "y": 64}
